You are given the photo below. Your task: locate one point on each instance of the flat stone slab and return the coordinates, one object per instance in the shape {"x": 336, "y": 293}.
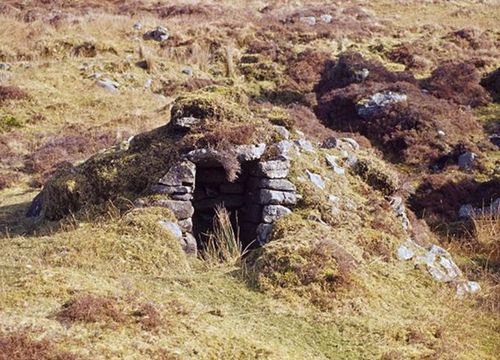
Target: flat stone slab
{"x": 272, "y": 184}
{"x": 275, "y": 197}
{"x": 273, "y": 169}
{"x": 181, "y": 209}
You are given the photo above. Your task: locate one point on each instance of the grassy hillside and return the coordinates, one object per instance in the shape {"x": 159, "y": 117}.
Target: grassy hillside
{"x": 108, "y": 283}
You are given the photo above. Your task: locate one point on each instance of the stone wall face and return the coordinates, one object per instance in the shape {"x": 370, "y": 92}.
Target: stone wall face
{"x": 192, "y": 189}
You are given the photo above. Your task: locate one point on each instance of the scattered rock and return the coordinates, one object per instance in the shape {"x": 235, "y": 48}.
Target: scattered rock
{"x": 108, "y": 85}
{"x": 332, "y": 161}
{"x": 348, "y": 144}
{"x": 468, "y": 211}
{"x": 399, "y": 208}
{"x": 374, "y": 105}
{"x": 188, "y": 71}
{"x": 467, "y": 160}
{"x": 405, "y": 253}
{"x": 137, "y": 26}
{"x": 285, "y": 134}
{"x": 467, "y": 287}
{"x": 185, "y": 123}
{"x": 173, "y": 228}
{"x": 4, "y": 66}
{"x": 159, "y": 34}
{"x": 308, "y": 20}
{"x": 326, "y": 18}
{"x": 305, "y": 145}
{"x": 264, "y": 233}
{"x": 329, "y": 143}
{"x": 188, "y": 244}
{"x": 272, "y": 213}
{"x": 441, "y": 133}
{"x": 495, "y": 140}
{"x": 148, "y": 83}
{"x": 316, "y": 179}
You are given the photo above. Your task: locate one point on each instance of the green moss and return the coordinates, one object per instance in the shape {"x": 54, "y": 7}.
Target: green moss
{"x": 9, "y": 122}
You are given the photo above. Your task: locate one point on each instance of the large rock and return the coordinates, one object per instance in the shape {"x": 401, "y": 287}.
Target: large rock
{"x": 172, "y": 228}
{"x": 181, "y": 174}
{"x": 272, "y": 213}
{"x": 332, "y": 161}
{"x": 274, "y": 197}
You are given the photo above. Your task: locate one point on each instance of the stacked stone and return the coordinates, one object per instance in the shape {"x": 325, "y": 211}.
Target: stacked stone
{"x": 270, "y": 194}
{"x": 177, "y": 187}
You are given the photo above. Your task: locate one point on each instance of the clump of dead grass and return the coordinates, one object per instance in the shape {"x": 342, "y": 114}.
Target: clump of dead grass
{"x": 148, "y": 316}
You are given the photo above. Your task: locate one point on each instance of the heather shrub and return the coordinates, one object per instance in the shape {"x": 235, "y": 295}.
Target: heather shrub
{"x": 457, "y": 82}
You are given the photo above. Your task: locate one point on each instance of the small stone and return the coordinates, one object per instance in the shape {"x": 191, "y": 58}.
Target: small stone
{"x": 326, "y": 18}
{"x": 108, "y": 85}
{"x": 467, "y": 160}
{"x": 159, "y": 34}
{"x": 308, "y": 20}
{"x": 404, "y": 253}
{"x": 272, "y": 213}
{"x": 316, "y": 179}
{"x": 4, "y": 66}
{"x": 187, "y": 71}
{"x": 148, "y": 83}
{"x": 185, "y": 123}
{"x": 186, "y": 225}
{"x": 495, "y": 140}
{"x": 137, "y": 26}
{"x": 348, "y": 144}
{"x": 467, "y": 287}
{"x": 330, "y": 143}
{"x": 273, "y": 169}
{"x": 188, "y": 244}
{"x": 305, "y": 145}
{"x": 332, "y": 161}
{"x": 281, "y": 130}
{"x": 275, "y": 197}
{"x": 441, "y": 133}
{"x": 181, "y": 174}
{"x": 171, "y": 227}
{"x": 264, "y": 233}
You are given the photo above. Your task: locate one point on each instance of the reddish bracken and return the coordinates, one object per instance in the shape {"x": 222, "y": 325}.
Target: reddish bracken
{"x": 19, "y": 346}
{"x": 9, "y": 92}
{"x": 90, "y": 309}
{"x": 459, "y": 83}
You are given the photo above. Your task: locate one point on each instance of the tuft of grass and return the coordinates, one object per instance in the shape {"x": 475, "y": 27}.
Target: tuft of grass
{"x": 487, "y": 234}
{"x": 223, "y": 244}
